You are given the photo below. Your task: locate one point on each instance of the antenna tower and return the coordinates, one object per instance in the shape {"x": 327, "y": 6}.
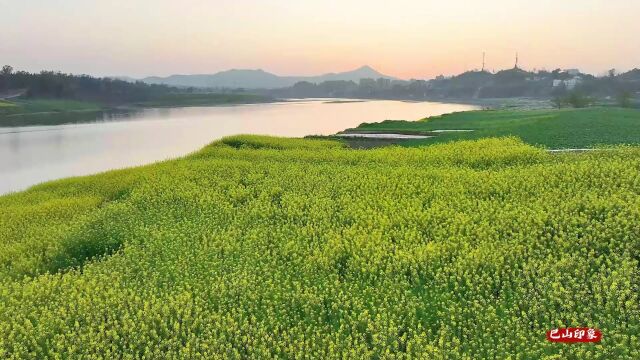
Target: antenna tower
{"x": 483, "y": 58}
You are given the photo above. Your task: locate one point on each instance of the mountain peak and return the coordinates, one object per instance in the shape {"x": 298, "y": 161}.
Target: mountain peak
{"x": 260, "y": 79}
{"x": 367, "y": 71}
{"x": 243, "y": 71}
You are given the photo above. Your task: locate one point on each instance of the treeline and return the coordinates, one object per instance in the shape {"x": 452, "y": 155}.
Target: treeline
{"x": 479, "y": 85}
{"x": 57, "y": 85}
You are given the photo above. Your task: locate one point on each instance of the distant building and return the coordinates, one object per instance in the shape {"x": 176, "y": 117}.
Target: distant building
{"x": 572, "y": 83}
{"x": 568, "y": 84}
{"x": 573, "y": 72}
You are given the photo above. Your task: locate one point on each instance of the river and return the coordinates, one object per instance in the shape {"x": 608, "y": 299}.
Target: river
{"x": 33, "y": 154}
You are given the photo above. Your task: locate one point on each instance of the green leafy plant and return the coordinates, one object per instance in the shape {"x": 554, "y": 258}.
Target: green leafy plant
{"x": 261, "y": 247}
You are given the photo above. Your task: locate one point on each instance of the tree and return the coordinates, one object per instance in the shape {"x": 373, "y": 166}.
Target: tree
{"x": 578, "y": 100}
{"x": 624, "y": 99}
{"x": 7, "y": 70}
{"x": 575, "y": 99}
{"x": 5, "y": 73}
{"x": 559, "y": 102}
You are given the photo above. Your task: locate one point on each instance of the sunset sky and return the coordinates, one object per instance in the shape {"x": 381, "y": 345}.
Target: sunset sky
{"x": 403, "y": 38}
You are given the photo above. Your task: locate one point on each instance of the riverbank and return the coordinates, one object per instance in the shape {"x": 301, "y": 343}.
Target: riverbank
{"x": 553, "y": 129}
{"x": 75, "y": 143}
{"x": 21, "y": 109}
{"x": 497, "y": 103}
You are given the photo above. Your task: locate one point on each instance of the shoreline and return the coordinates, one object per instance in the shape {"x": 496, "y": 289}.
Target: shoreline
{"x": 41, "y": 117}
{"x": 523, "y": 103}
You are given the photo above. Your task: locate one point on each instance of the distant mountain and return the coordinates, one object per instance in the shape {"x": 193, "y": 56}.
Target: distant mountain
{"x": 364, "y": 72}
{"x": 259, "y": 79}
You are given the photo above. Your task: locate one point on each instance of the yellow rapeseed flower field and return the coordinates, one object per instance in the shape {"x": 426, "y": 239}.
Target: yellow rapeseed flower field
{"x": 258, "y": 247}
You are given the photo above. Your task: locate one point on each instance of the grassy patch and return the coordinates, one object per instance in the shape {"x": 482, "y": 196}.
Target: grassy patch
{"x": 28, "y": 112}
{"x": 6, "y": 104}
{"x": 42, "y": 107}
{"x": 34, "y": 106}
{"x": 584, "y": 128}
{"x": 202, "y": 100}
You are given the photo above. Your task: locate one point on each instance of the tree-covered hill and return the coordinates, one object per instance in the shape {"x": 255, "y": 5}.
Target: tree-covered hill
{"x": 56, "y": 85}
{"x": 50, "y": 91}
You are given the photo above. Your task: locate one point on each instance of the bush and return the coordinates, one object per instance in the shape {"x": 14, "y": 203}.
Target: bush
{"x": 574, "y": 99}
{"x": 624, "y": 99}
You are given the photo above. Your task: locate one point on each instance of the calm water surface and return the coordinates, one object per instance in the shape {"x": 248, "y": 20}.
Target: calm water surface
{"x": 33, "y": 154}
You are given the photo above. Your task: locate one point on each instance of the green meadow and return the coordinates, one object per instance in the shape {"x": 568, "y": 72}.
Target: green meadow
{"x": 554, "y": 129}
{"x": 37, "y": 106}
{"x": 27, "y": 110}
{"x": 261, "y": 247}
{"x": 186, "y": 99}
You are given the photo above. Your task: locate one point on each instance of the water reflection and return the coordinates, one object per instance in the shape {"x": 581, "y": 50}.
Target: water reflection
{"x": 80, "y": 144}
{"x": 80, "y": 117}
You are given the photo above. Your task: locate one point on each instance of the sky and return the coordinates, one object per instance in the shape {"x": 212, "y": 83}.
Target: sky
{"x": 403, "y": 38}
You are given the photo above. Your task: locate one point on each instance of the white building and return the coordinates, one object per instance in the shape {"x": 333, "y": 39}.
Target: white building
{"x": 572, "y": 83}
{"x": 568, "y": 84}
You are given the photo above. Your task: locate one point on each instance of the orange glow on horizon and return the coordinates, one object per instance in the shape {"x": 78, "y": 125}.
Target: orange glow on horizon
{"x": 411, "y": 39}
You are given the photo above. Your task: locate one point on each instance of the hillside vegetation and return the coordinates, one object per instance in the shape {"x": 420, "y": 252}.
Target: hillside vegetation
{"x": 554, "y": 129}
{"x": 480, "y": 86}
{"x": 55, "y": 92}
{"x": 262, "y": 247}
